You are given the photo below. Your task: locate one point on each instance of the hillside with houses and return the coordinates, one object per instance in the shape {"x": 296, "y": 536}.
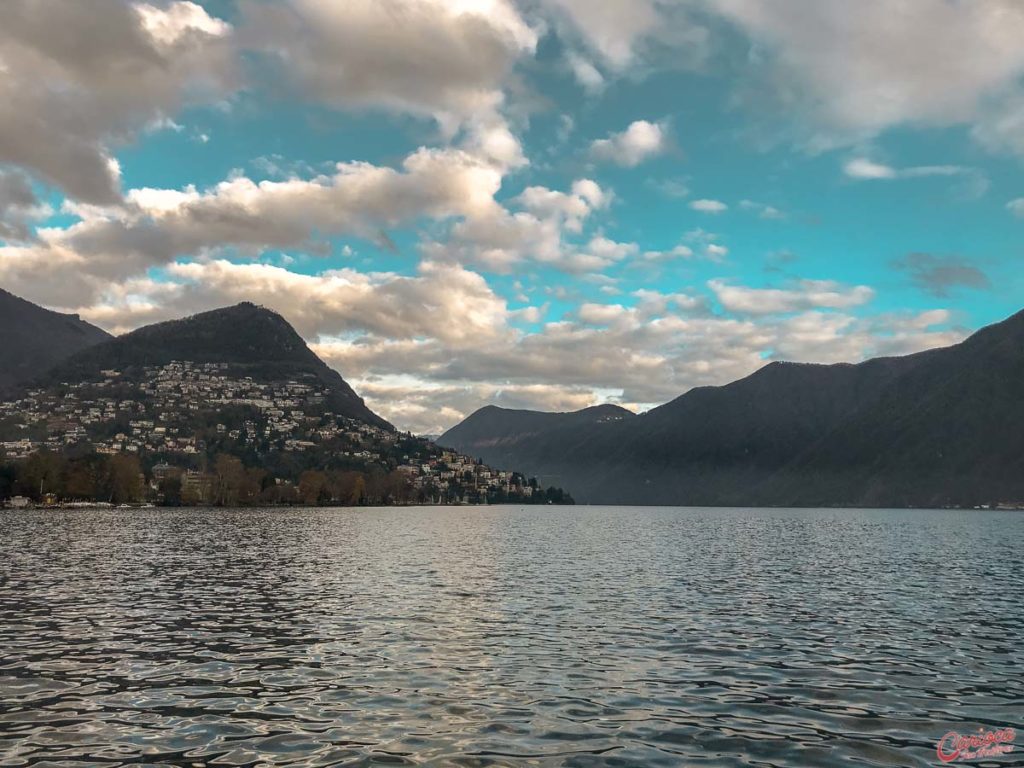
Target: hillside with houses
{"x": 248, "y": 428}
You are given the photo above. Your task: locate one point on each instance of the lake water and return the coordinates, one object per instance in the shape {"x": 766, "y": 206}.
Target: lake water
{"x": 583, "y": 636}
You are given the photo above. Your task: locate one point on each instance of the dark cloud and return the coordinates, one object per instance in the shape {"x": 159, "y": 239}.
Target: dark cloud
{"x": 939, "y": 275}
{"x": 18, "y": 206}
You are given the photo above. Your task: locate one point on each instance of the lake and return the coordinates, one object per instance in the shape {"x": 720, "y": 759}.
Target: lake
{"x": 576, "y": 636}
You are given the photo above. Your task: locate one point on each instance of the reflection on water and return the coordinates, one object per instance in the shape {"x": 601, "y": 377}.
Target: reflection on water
{"x": 504, "y": 636}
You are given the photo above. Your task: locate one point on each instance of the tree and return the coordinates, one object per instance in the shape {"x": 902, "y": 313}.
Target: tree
{"x": 228, "y": 480}
{"x": 253, "y": 485}
{"x": 82, "y": 480}
{"x": 397, "y": 488}
{"x": 41, "y": 474}
{"x": 313, "y": 487}
{"x": 171, "y": 491}
{"x": 8, "y": 476}
{"x": 125, "y": 478}
{"x": 358, "y": 489}
{"x": 347, "y": 487}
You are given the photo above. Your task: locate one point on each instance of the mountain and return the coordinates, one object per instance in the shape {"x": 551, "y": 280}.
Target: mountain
{"x": 950, "y": 430}
{"x": 223, "y": 408}
{"x": 504, "y": 436}
{"x": 34, "y": 339}
{"x": 249, "y": 340}
{"x": 942, "y": 427}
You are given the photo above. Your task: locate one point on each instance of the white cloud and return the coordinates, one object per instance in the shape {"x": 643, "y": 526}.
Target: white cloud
{"x": 169, "y": 25}
{"x": 640, "y": 141}
{"x": 111, "y": 70}
{"x": 856, "y": 69}
{"x": 868, "y": 170}
{"x": 598, "y": 254}
{"x": 709, "y": 206}
{"x": 442, "y": 302}
{"x": 585, "y": 197}
{"x": 428, "y": 407}
{"x": 429, "y": 348}
{"x": 680, "y": 251}
{"x": 802, "y": 295}
{"x": 625, "y": 37}
{"x": 763, "y": 210}
{"x": 156, "y": 226}
{"x": 677, "y": 188}
{"x": 499, "y": 239}
{"x": 447, "y": 60}
{"x": 612, "y": 28}
{"x": 862, "y": 168}
{"x": 586, "y": 73}
{"x": 1016, "y": 207}
{"x": 79, "y": 78}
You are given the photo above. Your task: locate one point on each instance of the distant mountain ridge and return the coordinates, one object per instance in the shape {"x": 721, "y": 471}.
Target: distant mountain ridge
{"x": 252, "y": 340}
{"x": 33, "y": 339}
{"x": 941, "y": 427}
{"x": 505, "y": 434}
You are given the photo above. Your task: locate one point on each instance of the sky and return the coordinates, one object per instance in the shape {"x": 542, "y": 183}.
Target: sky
{"x": 544, "y": 204}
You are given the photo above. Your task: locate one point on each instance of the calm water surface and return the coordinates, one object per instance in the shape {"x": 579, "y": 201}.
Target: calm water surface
{"x": 585, "y": 636}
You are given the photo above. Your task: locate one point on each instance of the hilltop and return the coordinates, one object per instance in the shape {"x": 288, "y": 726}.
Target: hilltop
{"x": 34, "y": 339}
{"x": 251, "y": 341}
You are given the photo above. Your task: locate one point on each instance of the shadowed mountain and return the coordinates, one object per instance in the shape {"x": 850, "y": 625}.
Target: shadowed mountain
{"x": 250, "y": 340}
{"x": 33, "y": 339}
{"x": 950, "y": 430}
{"x": 940, "y": 427}
{"x": 501, "y": 436}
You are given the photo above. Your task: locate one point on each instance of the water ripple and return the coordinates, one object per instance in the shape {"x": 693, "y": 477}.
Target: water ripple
{"x": 506, "y": 637}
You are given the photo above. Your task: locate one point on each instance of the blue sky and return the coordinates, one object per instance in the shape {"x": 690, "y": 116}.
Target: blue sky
{"x": 539, "y": 204}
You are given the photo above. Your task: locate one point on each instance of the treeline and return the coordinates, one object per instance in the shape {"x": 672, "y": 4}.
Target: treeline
{"x": 49, "y": 477}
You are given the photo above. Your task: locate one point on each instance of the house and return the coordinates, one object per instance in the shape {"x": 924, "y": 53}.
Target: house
{"x": 163, "y": 469}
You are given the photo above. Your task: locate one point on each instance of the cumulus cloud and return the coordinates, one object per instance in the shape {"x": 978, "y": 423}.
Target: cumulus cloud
{"x": 1016, "y": 207}
{"x": 499, "y": 239}
{"x": 429, "y": 57}
{"x": 427, "y": 349}
{"x": 801, "y": 295}
{"x": 705, "y": 205}
{"x": 860, "y": 68}
{"x": 415, "y": 402}
{"x": 639, "y": 142}
{"x": 333, "y": 303}
{"x": 645, "y": 357}
{"x": 940, "y": 275}
{"x": 845, "y": 71}
{"x": 155, "y": 226}
{"x": 71, "y": 92}
{"x": 681, "y": 251}
{"x": 78, "y": 78}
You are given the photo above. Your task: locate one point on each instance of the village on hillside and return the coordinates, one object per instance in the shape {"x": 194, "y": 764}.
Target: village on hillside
{"x": 196, "y": 433}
